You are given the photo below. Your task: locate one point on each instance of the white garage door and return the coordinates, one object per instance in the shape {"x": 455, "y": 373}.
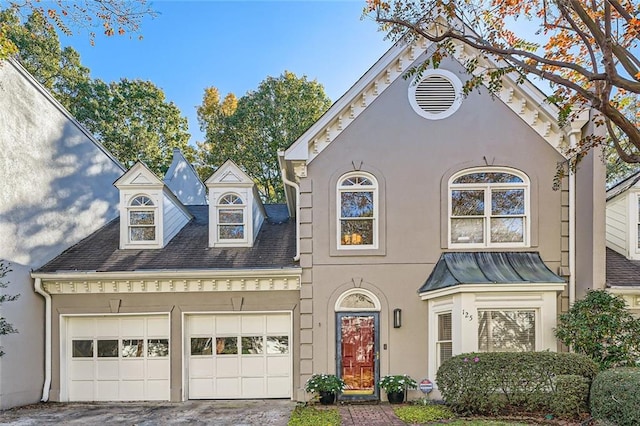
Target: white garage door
{"x": 117, "y": 358}
{"x": 239, "y": 356}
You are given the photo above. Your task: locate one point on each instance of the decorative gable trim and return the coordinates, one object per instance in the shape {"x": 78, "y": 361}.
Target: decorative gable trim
{"x": 524, "y": 99}
{"x": 229, "y": 174}
{"x": 139, "y": 176}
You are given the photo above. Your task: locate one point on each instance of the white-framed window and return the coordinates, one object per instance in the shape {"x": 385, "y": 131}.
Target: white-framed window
{"x": 444, "y": 341}
{"x": 142, "y": 218}
{"x": 507, "y": 330}
{"x": 489, "y": 207}
{"x": 231, "y": 215}
{"x": 357, "y": 214}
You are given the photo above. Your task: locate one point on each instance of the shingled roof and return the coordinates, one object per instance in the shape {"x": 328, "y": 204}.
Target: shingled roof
{"x": 274, "y": 247}
{"x": 622, "y": 272}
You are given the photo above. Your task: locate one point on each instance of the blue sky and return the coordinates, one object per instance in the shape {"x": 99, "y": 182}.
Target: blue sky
{"x": 234, "y": 45}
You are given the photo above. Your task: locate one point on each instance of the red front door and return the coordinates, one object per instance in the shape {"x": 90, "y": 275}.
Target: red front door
{"x": 357, "y": 360}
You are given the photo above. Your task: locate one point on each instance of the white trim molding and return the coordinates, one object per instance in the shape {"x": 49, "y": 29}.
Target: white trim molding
{"x": 169, "y": 281}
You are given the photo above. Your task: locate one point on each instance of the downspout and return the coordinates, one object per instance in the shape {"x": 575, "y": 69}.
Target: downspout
{"x": 573, "y": 142}
{"x": 297, "y": 189}
{"x": 47, "y": 338}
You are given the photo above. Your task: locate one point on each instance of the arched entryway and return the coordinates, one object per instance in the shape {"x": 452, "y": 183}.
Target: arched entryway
{"x": 357, "y": 344}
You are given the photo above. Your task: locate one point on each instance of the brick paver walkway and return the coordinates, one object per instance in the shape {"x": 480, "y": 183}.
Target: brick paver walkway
{"x": 369, "y": 415}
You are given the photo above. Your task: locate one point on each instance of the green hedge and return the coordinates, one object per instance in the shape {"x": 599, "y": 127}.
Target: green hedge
{"x": 489, "y": 383}
{"x": 615, "y": 396}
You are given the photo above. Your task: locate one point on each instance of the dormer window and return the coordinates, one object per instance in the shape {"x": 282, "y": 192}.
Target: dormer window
{"x": 231, "y": 218}
{"x": 142, "y": 219}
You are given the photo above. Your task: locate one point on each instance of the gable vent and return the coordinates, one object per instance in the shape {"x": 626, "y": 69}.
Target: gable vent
{"x": 436, "y": 95}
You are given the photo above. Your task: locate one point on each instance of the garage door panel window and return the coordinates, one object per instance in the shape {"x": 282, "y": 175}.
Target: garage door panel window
{"x": 132, "y": 348}
{"x": 277, "y": 344}
{"x": 201, "y": 346}
{"x": 157, "y": 347}
{"x": 82, "y": 348}
{"x": 226, "y": 346}
{"x": 107, "y": 349}
{"x": 252, "y": 345}
{"x": 506, "y": 330}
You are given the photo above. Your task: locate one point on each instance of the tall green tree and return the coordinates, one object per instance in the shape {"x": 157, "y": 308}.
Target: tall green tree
{"x": 135, "y": 122}
{"x": 132, "y": 119}
{"x": 38, "y": 47}
{"x": 264, "y": 121}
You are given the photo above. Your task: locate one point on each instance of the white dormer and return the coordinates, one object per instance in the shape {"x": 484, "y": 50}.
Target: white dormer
{"x": 235, "y": 210}
{"x": 150, "y": 214}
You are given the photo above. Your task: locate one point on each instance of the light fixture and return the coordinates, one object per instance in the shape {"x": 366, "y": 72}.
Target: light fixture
{"x": 397, "y": 318}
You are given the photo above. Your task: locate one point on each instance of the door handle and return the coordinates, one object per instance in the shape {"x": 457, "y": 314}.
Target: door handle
{"x": 377, "y": 355}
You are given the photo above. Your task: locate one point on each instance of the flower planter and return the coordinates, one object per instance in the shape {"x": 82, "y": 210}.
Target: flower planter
{"x": 327, "y": 398}
{"x": 395, "y": 397}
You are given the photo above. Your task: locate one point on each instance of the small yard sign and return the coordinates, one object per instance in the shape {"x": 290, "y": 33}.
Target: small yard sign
{"x": 426, "y": 386}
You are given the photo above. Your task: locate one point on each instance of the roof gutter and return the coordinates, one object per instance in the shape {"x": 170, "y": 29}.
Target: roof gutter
{"x": 47, "y": 341}
{"x": 296, "y": 187}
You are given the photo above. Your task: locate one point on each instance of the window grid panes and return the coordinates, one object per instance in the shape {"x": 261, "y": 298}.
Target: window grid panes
{"x": 231, "y": 218}
{"x": 488, "y": 209}
{"x": 357, "y": 211}
{"x": 506, "y": 330}
{"x": 444, "y": 344}
{"x": 142, "y": 224}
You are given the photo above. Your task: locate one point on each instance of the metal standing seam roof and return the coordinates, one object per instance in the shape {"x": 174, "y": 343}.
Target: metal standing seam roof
{"x": 456, "y": 268}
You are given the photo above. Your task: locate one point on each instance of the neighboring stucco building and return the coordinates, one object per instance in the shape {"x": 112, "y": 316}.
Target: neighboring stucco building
{"x": 56, "y": 182}
{"x": 429, "y": 225}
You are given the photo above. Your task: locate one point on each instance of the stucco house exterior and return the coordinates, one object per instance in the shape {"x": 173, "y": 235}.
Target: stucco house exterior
{"x": 429, "y": 225}
{"x": 419, "y": 224}
{"x": 56, "y": 181}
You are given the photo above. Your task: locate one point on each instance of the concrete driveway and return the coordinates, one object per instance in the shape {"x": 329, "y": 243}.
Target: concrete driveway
{"x": 232, "y": 412}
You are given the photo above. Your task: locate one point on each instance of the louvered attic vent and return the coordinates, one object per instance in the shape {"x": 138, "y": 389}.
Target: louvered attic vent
{"x": 437, "y": 95}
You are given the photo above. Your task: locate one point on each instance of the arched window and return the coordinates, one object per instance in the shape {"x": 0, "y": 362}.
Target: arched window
{"x": 489, "y": 207}
{"x": 357, "y": 211}
{"x": 142, "y": 219}
{"x": 231, "y": 218}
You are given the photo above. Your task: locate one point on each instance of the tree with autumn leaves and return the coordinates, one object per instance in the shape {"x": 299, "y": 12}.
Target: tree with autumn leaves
{"x": 585, "y": 51}
{"x": 252, "y": 129}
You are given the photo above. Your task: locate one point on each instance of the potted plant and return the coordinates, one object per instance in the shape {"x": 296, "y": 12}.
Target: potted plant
{"x": 326, "y": 386}
{"x": 396, "y": 386}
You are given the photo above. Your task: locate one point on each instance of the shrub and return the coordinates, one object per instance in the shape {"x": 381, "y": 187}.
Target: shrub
{"x": 615, "y": 397}
{"x": 572, "y": 395}
{"x": 479, "y": 383}
{"x": 601, "y": 327}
